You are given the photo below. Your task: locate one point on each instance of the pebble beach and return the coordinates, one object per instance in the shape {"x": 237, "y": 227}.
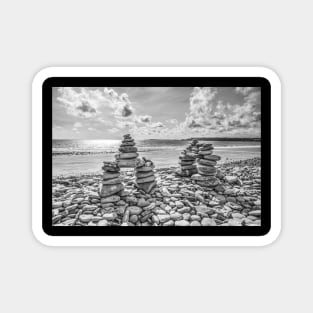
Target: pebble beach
{"x": 174, "y": 201}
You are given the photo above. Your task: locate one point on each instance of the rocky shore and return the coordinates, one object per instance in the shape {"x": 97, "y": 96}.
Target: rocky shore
{"x": 174, "y": 201}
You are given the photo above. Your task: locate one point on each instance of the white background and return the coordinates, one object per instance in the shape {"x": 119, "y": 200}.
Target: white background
{"x": 36, "y": 34}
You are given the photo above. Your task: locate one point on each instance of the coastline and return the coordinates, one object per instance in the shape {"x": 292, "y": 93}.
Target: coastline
{"x": 177, "y": 201}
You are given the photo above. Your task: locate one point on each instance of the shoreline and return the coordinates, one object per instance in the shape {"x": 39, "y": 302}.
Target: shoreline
{"x": 177, "y": 201}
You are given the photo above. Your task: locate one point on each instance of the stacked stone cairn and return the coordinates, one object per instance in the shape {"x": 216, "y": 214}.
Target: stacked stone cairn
{"x": 194, "y": 147}
{"x": 127, "y": 155}
{"x": 187, "y": 161}
{"x": 206, "y": 166}
{"x": 111, "y": 184}
{"x": 145, "y": 178}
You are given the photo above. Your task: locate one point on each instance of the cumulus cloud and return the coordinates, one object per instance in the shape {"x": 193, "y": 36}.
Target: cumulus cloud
{"x": 244, "y": 90}
{"x": 91, "y": 129}
{"x": 83, "y": 103}
{"x": 157, "y": 125}
{"x": 121, "y": 104}
{"x": 209, "y": 114}
{"x": 77, "y": 125}
{"x": 87, "y": 103}
{"x": 144, "y": 118}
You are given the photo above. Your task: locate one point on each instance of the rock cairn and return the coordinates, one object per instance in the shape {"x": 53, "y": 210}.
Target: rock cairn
{"x": 127, "y": 155}
{"x": 206, "y": 166}
{"x": 194, "y": 146}
{"x": 145, "y": 178}
{"x": 111, "y": 184}
{"x": 187, "y": 159}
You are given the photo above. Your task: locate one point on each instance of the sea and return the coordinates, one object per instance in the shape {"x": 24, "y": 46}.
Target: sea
{"x": 73, "y": 157}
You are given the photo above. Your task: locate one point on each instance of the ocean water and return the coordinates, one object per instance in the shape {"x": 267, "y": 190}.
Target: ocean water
{"x": 86, "y": 156}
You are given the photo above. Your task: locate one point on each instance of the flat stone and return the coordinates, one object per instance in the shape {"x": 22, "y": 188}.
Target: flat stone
{"x": 103, "y": 223}
{"x": 90, "y": 207}
{"x": 142, "y": 202}
{"x": 147, "y": 187}
{"x": 164, "y": 218}
{"x": 182, "y": 223}
{"x": 108, "y": 175}
{"x": 176, "y": 216}
{"x": 231, "y": 179}
{"x": 206, "y": 170}
{"x": 108, "y": 190}
{"x": 144, "y": 174}
{"x": 109, "y": 216}
{"x": 207, "y": 162}
{"x": 128, "y": 149}
{"x": 255, "y": 213}
{"x": 205, "y": 152}
{"x": 134, "y": 210}
{"x": 113, "y": 181}
{"x": 144, "y": 169}
{"x": 130, "y": 155}
{"x": 148, "y": 179}
{"x": 212, "y": 157}
{"x": 204, "y": 209}
{"x": 195, "y": 223}
{"x": 206, "y": 221}
{"x": 169, "y": 223}
{"x": 110, "y": 199}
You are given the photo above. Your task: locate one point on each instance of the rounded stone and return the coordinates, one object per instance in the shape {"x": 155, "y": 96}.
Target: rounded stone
{"x": 206, "y": 162}
{"x": 206, "y": 152}
{"x": 212, "y": 157}
{"x": 113, "y": 181}
{"x": 144, "y": 174}
{"x": 146, "y": 179}
{"x": 144, "y": 169}
{"x": 130, "y": 155}
{"x": 109, "y": 190}
{"x": 108, "y": 175}
{"x": 110, "y": 199}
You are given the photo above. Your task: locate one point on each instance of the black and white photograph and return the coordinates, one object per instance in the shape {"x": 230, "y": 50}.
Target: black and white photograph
{"x": 156, "y": 156}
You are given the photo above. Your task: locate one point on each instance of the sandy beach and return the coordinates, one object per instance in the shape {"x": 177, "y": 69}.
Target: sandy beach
{"x": 176, "y": 201}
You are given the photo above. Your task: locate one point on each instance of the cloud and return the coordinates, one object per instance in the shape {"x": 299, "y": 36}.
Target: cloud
{"x": 83, "y": 103}
{"x": 121, "y": 104}
{"x": 157, "y": 125}
{"x": 91, "y": 129}
{"x": 113, "y": 130}
{"x": 209, "y": 114}
{"x": 144, "y": 118}
{"x": 77, "y": 125}
{"x": 244, "y": 90}
{"x": 87, "y": 103}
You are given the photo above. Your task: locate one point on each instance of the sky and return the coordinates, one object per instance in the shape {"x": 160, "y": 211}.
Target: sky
{"x": 156, "y": 112}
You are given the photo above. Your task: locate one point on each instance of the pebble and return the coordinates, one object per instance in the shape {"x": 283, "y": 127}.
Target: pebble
{"x": 208, "y": 222}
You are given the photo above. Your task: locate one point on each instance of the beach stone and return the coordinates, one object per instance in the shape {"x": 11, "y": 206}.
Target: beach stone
{"x": 109, "y": 216}
{"x": 128, "y": 149}
{"x": 164, "y": 218}
{"x": 144, "y": 174}
{"x": 90, "y": 207}
{"x": 231, "y": 179}
{"x": 195, "y": 223}
{"x": 206, "y": 170}
{"x": 206, "y": 221}
{"x": 103, "y": 223}
{"x": 134, "y": 210}
{"x": 182, "y": 223}
{"x": 195, "y": 217}
{"x": 205, "y": 152}
{"x": 130, "y": 155}
{"x": 107, "y": 205}
{"x": 179, "y": 204}
{"x": 255, "y": 213}
{"x": 144, "y": 169}
{"x": 146, "y": 179}
{"x": 142, "y": 202}
{"x": 212, "y": 157}
{"x": 176, "y": 216}
{"x": 133, "y": 219}
{"x": 108, "y": 175}
{"x": 127, "y": 163}
{"x": 113, "y": 181}
{"x": 110, "y": 199}
{"x": 183, "y": 210}
{"x": 57, "y": 205}
{"x": 86, "y": 218}
{"x": 205, "y": 162}
{"x": 204, "y": 209}
{"x": 169, "y": 223}
{"x": 108, "y": 190}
